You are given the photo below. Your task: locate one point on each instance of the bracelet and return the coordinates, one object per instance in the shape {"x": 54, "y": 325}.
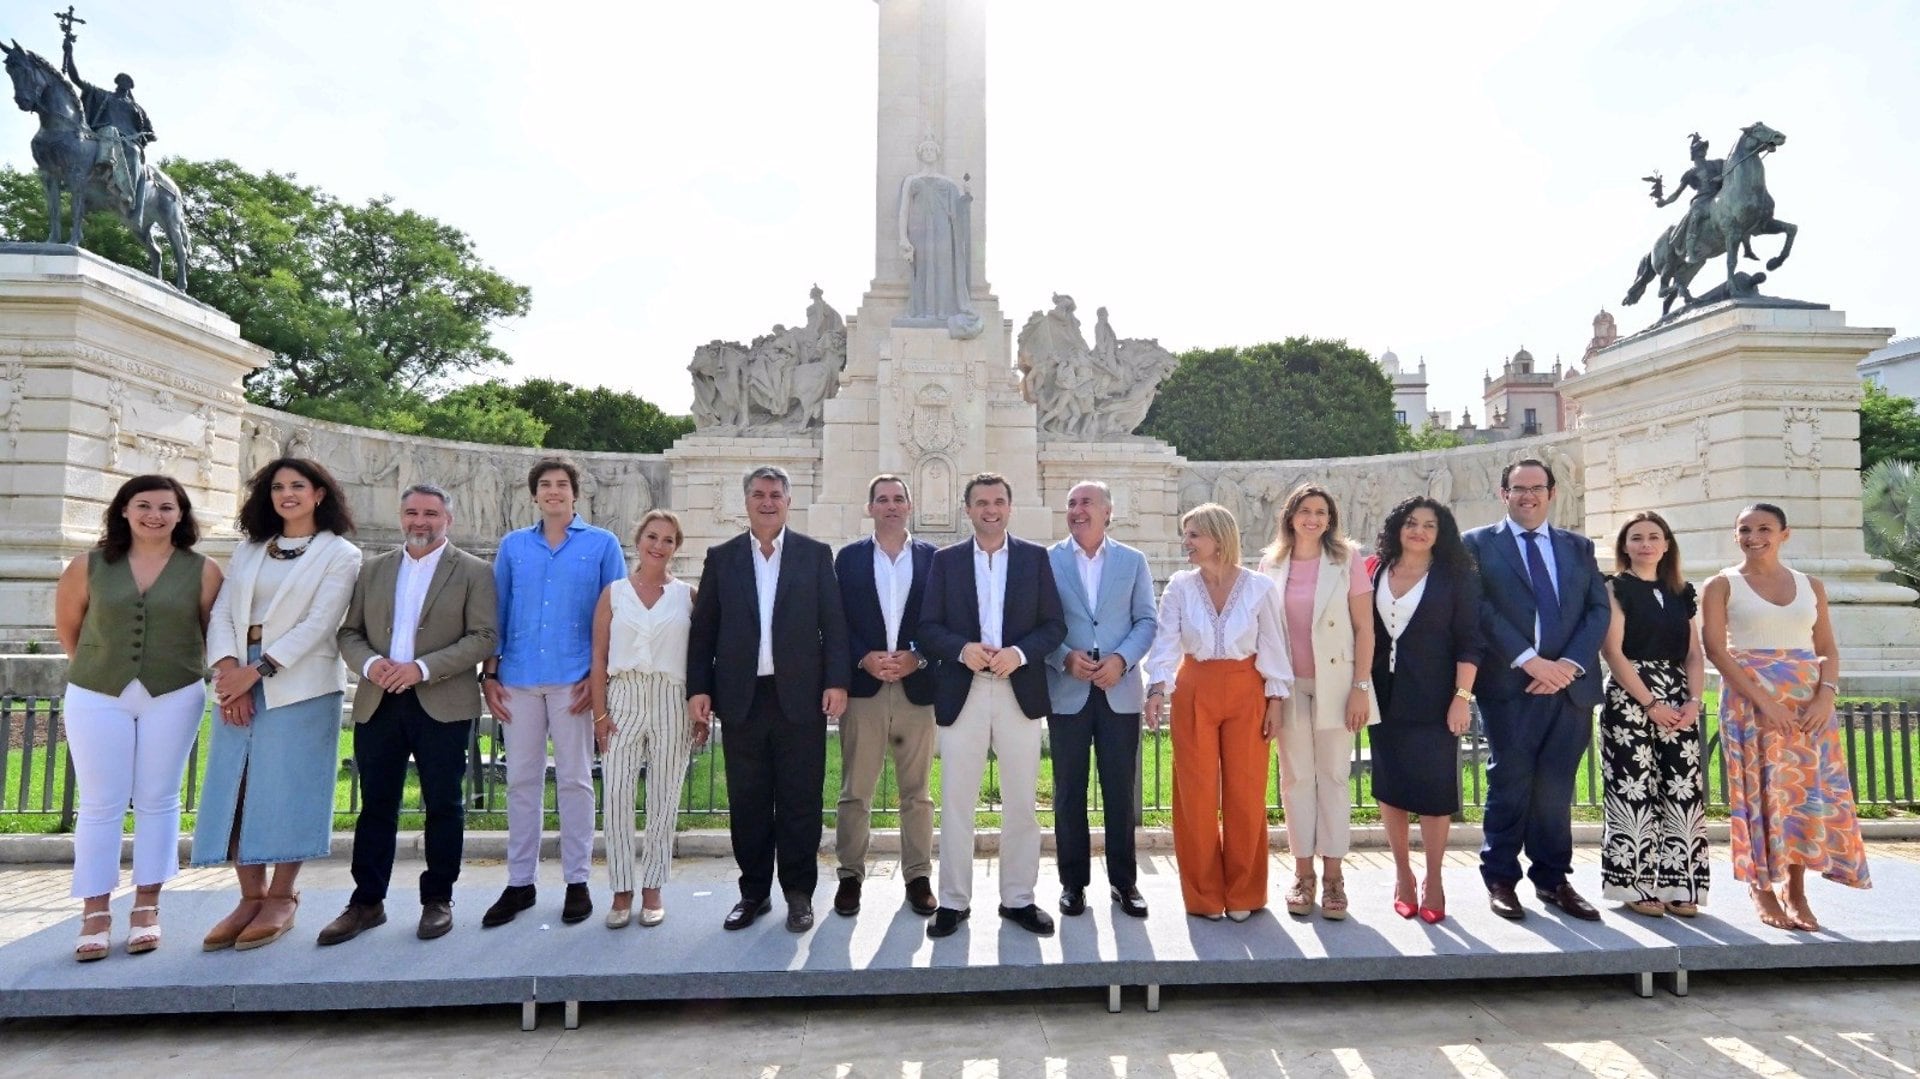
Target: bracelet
{"x": 1464, "y": 694}
{"x": 1835, "y": 686}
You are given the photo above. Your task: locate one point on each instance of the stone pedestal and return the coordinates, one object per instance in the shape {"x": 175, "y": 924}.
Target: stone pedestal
{"x": 1144, "y": 475}
{"x": 1741, "y": 404}
{"x": 708, "y": 471}
{"x": 105, "y": 374}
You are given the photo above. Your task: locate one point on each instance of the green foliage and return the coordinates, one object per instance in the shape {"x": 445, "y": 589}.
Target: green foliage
{"x": 597, "y": 418}
{"x": 1890, "y": 516}
{"x": 1429, "y": 437}
{"x": 1302, "y": 397}
{"x": 1889, "y": 427}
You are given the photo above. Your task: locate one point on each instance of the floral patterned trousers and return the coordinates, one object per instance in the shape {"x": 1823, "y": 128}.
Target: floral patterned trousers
{"x": 1655, "y": 843}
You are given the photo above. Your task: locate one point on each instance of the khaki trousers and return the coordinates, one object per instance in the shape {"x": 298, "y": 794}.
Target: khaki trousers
{"x": 873, "y": 726}
{"x": 1314, "y": 769}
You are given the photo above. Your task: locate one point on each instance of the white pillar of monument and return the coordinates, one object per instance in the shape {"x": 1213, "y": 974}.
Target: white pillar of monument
{"x": 1740, "y": 404}
{"x": 914, "y": 400}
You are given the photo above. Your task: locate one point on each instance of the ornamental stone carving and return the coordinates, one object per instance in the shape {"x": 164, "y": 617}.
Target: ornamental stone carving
{"x": 778, "y": 384}
{"x": 1084, "y": 393}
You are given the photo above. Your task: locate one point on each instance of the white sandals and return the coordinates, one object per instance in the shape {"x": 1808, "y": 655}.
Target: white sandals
{"x": 144, "y": 938}
{"x": 92, "y": 946}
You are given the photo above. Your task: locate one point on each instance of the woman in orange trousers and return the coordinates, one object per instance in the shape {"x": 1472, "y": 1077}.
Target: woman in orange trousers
{"x": 1218, "y": 649}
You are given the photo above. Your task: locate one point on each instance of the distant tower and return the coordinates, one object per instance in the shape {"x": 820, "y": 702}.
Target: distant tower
{"x": 1409, "y": 389}
{"x": 1605, "y": 333}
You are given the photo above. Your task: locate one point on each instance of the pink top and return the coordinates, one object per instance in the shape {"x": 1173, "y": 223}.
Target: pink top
{"x": 1303, "y": 579}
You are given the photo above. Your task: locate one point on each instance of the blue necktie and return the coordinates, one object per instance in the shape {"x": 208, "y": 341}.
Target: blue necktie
{"x": 1546, "y": 602}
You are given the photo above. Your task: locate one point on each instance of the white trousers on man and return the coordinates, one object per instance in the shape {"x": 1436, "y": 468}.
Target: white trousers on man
{"x": 541, "y": 713}
{"x": 129, "y": 748}
{"x": 990, "y": 720}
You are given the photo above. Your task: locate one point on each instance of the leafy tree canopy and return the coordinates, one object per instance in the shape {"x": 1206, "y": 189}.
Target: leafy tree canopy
{"x": 1889, "y": 427}
{"x": 1302, "y": 397}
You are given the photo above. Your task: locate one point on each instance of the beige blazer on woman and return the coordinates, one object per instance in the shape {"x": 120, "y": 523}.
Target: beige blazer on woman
{"x": 1332, "y": 671}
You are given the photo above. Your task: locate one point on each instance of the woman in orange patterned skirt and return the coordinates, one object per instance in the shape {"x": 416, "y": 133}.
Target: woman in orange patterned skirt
{"x": 1765, "y": 628}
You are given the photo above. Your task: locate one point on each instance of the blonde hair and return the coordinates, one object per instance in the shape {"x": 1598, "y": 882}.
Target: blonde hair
{"x": 1216, "y": 522}
{"x": 679, "y": 536}
{"x": 1332, "y": 543}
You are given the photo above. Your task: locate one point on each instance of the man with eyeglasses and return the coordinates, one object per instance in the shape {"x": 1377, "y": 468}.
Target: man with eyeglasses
{"x": 1543, "y": 612}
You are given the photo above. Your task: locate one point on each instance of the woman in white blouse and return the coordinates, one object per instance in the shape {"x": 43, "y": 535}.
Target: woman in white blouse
{"x": 638, "y": 681}
{"x": 1219, "y": 652}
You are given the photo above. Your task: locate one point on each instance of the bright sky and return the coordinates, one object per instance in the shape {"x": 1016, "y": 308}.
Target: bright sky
{"x": 1451, "y": 181}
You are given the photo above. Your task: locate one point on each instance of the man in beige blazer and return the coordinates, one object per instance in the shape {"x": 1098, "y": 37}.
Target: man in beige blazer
{"x": 421, "y": 620}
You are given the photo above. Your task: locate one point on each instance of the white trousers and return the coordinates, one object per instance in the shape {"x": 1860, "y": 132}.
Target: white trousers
{"x": 650, "y": 730}
{"x": 990, "y": 720}
{"x": 539, "y": 714}
{"x": 130, "y": 748}
{"x": 1315, "y": 766}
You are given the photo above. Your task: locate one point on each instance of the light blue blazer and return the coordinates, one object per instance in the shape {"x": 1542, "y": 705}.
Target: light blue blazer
{"x": 1120, "y": 621}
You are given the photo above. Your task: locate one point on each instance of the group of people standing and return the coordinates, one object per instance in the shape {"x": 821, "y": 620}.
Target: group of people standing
{"x": 961, "y": 651}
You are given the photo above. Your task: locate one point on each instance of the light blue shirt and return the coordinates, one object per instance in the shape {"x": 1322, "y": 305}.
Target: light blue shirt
{"x": 547, "y": 596}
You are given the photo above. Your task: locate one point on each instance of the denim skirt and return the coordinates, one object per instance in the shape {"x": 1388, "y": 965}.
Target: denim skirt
{"x": 288, "y": 758}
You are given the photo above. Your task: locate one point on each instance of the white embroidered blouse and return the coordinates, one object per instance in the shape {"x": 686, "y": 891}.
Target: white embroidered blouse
{"x": 1248, "y": 625}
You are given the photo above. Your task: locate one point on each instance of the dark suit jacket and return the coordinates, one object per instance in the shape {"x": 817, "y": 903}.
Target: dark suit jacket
{"x": 458, "y": 629}
{"x": 809, "y": 630}
{"x": 1444, "y": 630}
{"x": 867, "y": 625}
{"x": 1507, "y": 612}
{"x": 1030, "y": 621}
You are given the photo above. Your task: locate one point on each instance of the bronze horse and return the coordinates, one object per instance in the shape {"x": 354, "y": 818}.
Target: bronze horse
{"x": 1742, "y": 210}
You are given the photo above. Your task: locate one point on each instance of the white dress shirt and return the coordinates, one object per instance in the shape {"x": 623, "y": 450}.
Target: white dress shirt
{"x": 1248, "y": 625}
{"x": 990, "y": 588}
{"x": 1545, "y": 545}
{"x": 1091, "y": 568}
{"x": 892, "y": 580}
{"x": 409, "y": 598}
{"x": 766, "y": 579}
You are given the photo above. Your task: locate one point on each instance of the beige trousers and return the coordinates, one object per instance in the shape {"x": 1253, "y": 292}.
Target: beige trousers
{"x": 873, "y": 727}
{"x": 1315, "y": 766}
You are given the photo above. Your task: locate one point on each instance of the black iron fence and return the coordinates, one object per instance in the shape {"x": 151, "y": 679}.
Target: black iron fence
{"x": 38, "y": 780}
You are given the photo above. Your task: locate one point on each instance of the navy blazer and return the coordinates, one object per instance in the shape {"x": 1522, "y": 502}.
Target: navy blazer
{"x": 867, "y": 624}
{"x": 950, "y": 620}
{"x": 1507, "y": 612}
{"x": 1444, "y": 631}
{"x": 809, "y": 630}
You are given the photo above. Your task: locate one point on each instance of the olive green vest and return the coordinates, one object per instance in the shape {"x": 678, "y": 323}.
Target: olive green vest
{"x": 156, "y": 637}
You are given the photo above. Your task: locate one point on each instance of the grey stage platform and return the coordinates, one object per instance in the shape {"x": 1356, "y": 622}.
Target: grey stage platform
{"x": 885, "y": 950}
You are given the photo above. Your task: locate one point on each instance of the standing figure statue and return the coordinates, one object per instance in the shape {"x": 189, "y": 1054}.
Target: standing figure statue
{"x": 936, "y": 239}
{"x": 92, "y": 146}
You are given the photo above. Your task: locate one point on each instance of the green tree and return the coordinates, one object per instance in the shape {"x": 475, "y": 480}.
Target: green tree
{"x": 1889, "y": 427}
{"x": 597, "y": 418}
{"x": 1302, "y": 397}
{"x": 1429, "y": 437}
{"x": 1890, "y": 516}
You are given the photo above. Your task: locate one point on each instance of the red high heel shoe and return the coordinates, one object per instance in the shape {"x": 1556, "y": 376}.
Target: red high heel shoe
{"x": 1431, "y": 915}
{"x": 1402, "y": 907}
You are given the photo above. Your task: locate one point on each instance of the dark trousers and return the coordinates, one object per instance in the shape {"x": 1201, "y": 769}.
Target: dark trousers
{"x": 1534, "y": 746}
{"x": 399, "y": 729}
{"x": 776, "y": 769}
{"x": 1113, "y": 739}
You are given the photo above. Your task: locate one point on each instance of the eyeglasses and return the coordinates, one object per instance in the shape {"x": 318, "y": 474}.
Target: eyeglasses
{"x": 1536, "y": 491}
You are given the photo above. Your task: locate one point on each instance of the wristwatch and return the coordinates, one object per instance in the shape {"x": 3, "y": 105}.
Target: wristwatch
{"x": 1464, "y": 694}
{"x": 921, "y": 661}
{"x": 266, "y": 667}
{"x": 488, "y": 676}
{"x": 1364, "y": 686}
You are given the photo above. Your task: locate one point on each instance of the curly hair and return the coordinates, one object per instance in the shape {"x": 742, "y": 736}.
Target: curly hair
{"x": 116, "y": 537}
{"x": 258, "y": 520}
{"x": 1447, "y": 548}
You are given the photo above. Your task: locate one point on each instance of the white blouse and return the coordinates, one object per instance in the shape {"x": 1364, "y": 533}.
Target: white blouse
{"x": 650, "y": 640}
{"x": 1248, "y": 625}
{"x": 1395, "y": 613}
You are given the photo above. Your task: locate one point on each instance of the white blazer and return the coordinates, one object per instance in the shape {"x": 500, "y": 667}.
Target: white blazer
{"x": 1332, "y": 671}
{"x": 299, "y": 627}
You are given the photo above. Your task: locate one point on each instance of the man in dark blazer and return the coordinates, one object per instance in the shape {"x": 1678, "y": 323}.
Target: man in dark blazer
{"x": 767, "y": 653}
{"x": 991, "y": 615}
{"x": 1543, "y": 612}
{"x": 890, "y": 703}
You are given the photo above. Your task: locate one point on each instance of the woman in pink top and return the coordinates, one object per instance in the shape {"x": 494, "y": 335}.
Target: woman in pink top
{"x": 1326, "y": 594}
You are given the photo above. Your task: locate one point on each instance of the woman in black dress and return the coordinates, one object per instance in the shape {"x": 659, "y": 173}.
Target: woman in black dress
{"x": 1654, "y": 852}
{"x": 1426, "y": 625}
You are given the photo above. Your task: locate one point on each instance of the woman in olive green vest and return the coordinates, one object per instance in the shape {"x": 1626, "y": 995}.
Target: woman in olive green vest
{"x": 132, "y": 616}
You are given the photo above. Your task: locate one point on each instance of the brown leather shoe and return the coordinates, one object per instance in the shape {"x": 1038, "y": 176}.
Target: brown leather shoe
{"x": 920, "y": 897}
{"x": 228, "y": 929}
{"x": 352, "y": 922}
{"x": 1568, "y": 901}
{"x": 436, "y": 918}
{"x": 846, "y": 899}
{"x": 1504, "y": 902}
{"x": 273, "y": 922}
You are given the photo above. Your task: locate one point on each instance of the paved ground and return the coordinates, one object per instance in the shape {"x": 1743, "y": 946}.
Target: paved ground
{"x": 1748, "y": 1025}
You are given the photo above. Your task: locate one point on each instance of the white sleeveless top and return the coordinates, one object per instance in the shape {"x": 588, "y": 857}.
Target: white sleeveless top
{"x": 652, "y": 641}
{"x": 1754, "y": 623}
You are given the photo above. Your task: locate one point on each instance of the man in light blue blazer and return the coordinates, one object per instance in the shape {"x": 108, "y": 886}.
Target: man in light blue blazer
{"x": 1093, "y": 680}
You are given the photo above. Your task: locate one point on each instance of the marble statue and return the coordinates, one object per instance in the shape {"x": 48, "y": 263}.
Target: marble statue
{"x": 92, "y": 146}
{"x": 936, "y": 238}
{"x": 780, "y": 383}
{"x": 1087, "y": 393}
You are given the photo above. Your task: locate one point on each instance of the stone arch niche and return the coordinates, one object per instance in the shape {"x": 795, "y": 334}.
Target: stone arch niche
{"x": 936, "y": 494}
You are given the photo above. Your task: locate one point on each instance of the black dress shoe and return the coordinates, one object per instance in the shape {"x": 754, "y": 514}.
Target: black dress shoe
{"x": 353, "y": 921}
{"x": 799, "y": 913}
{"x": 578, "y": 904}
{"x": 920, "y": 896}
{"x": 846, "y": 900}
{"x": 1569, "y": 901}
{"x": 1030, "y": 918}
{"x": 745, "y": 912}
{"x": 1073, "y": 902}
{"x": 436, "y": 918}
{"x": 1132, "y": 903}
{"x": 516, "y": 898}
{"x": 1501, "y": 899}
{"x": 946, "y": 922}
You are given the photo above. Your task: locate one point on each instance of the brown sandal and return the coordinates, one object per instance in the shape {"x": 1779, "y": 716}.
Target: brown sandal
{"x": 1300, "y": 897}
{"x": 1333, "y": 898}
{"x": 266, "y": 926}
{"x": 228, "y": 929}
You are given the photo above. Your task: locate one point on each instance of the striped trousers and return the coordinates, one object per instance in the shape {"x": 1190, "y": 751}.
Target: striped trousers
{"x": 650, "y": 729}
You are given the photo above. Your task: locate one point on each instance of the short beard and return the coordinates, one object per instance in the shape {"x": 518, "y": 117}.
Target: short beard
{"x": 421, "y": 542}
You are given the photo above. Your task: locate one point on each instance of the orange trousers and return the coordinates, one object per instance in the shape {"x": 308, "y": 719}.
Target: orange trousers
{"x": 1220, "y": 785}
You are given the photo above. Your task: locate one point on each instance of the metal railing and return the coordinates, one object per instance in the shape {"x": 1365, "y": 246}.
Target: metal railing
{"x": 38, "y": 779}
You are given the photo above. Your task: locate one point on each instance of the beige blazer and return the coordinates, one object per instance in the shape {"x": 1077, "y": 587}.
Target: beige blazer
{"x": 1332, "y": 672}
{"x": 299, "y": 627}
{"x": 458, "y": 629}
